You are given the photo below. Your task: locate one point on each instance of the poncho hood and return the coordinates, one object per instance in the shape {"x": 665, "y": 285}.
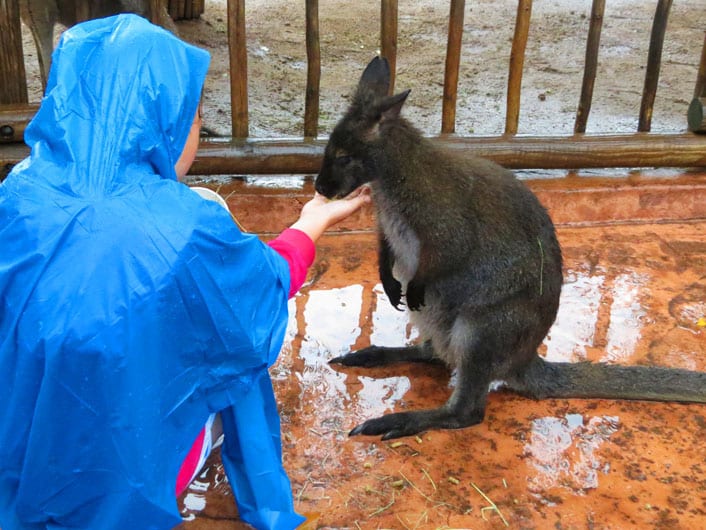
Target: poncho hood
{"x": 117, "y": 96}
{"x": 130, "y": 307}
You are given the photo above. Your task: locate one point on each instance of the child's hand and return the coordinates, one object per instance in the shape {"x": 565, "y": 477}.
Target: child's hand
{"x": 319, "y": 213}
{"x": 336, "y": 210}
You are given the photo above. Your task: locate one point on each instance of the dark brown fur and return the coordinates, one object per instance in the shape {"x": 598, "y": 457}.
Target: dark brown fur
{"x": 477, "y": 258}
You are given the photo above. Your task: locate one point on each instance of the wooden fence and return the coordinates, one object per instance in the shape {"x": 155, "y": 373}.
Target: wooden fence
{"x": 242, "y": 154}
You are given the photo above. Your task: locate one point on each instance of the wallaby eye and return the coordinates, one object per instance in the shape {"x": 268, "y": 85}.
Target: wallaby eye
{"x": 343, "y": 160}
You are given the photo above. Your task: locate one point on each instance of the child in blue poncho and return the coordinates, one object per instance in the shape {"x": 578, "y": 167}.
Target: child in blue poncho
{"x": 133, "y": 311}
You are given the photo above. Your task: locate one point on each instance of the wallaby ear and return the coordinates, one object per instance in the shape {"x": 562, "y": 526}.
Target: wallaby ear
{"x": 376, "y": 77}
{"x": 390, "y": 107}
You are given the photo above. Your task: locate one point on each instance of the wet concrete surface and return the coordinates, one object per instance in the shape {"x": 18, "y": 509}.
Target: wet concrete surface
{"x": 635, "y": 293}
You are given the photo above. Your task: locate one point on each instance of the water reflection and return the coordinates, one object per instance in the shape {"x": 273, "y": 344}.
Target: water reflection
{"x": 335, "y": 321}
{"x": 378, "y": 396}
{"x": 575, "y": 325}
{"x": 332, "y": 320}
{"x": 332, "y": 326}
{"x": 390, "y": 326}
{"x": 212, "y": 480}
{"x": 194, "y": 502}
{"x": 563, "y": 451}
{"x": 626, "y": 315}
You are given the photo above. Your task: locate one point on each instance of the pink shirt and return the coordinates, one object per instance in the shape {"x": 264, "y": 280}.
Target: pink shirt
{"x": 299, "y": 251}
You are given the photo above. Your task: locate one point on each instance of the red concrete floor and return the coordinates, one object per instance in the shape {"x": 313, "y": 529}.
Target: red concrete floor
{"x": 635, "y": 292}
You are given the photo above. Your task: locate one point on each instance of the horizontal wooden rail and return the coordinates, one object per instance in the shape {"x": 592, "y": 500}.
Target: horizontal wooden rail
{"x": 269, "y": 157}
{"x": 576, "y": 152}
{"x": 13, "y": 121}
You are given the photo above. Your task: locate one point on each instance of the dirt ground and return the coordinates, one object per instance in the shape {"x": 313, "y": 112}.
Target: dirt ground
{"x": 552, "y": 74}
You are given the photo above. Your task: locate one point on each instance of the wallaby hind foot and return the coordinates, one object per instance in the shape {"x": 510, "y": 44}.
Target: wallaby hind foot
{"x": 383, "y": 355}
{"x": 465, "y": 407}
{"x": 399, "y": 424}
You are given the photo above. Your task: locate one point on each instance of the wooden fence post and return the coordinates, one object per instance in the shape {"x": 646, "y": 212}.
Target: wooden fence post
{"x": 590, "y": 66}
{"x": 238, "y": 52}
{"x": 388, "y": 37}
{"x": 453, "y": 62}
{"x": 696, "y": 114}
{"x": 654, "y": 63}
{"x": 13, "y": 88}
{"x": 313, "y": 70}
{"x": 517, "y": 61}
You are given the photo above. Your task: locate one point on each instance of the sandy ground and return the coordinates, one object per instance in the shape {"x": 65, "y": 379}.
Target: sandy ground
{"x": 553, "y": 64}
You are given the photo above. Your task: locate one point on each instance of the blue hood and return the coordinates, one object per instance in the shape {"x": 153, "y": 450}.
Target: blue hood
{"x": 130, "y": 308}
{"x": 121, "y": 93}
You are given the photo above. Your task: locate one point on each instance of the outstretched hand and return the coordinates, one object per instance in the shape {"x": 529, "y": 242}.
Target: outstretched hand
{"x": 320, "y": 213}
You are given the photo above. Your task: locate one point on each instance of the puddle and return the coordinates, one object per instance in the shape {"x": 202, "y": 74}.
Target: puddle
{"x": 390, "y": 326}
{"x": 575, "y": 326}
{"x": 627, "y": 317}
{"x": 562, "y": 452}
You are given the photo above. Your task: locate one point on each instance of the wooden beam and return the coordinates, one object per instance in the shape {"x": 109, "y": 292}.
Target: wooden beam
{"x": 156, "y": 7}
{"x": 654, "y": 60}
{"x": 13, "y": 88}
{"x": 270, "y": 157}
{"x": 238, "y": 53}
{"x": 173, "y": 8}
{"x": 696, "y": 115}
{"x": 453, "y": 62}
{"x": 590, "y": 66}
{"x": 14, "y": 120}
{"x": 700, "y": 88}
{"x": 517, "y": 61}
{"x": 573, "y": 152}
{"x": 313, "y": 71}
{"x": 388, "y": 37}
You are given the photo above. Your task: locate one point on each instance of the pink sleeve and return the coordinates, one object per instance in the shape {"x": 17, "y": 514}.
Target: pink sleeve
{"x": 299, "y": 251}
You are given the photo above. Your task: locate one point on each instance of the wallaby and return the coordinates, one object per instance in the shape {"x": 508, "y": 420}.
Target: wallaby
{"x": 40, "y": 16}
{"x": 478, "y": 261}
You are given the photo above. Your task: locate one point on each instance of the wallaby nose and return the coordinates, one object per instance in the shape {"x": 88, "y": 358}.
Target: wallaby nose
{"x": 319, "y": 187}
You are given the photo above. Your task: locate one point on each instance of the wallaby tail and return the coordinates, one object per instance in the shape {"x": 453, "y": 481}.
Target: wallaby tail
{"x": 542, "y": 379}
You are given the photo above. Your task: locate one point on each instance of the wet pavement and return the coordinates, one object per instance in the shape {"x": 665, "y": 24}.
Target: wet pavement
{"x": 635, "y": 293}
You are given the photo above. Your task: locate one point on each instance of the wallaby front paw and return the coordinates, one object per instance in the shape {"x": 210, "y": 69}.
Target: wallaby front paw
{"x": 393, "y": 290}
{"x": 415, "y": 296}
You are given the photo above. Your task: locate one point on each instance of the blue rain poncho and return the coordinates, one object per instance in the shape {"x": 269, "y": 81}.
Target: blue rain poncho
{"x": 130, "y": 307}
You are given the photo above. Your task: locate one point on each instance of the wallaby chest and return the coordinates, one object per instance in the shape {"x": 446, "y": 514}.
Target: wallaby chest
{"x": 401, "y": 237}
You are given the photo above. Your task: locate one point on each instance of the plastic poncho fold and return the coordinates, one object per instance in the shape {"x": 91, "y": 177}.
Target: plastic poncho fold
{"x": 130, "y": 307}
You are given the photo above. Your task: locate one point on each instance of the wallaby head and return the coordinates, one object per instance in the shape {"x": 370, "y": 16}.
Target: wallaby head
{"x": 349, "y": 159}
